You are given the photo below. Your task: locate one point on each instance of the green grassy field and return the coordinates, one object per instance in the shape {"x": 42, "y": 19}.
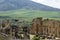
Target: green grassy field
{"x": 30, "y": 14}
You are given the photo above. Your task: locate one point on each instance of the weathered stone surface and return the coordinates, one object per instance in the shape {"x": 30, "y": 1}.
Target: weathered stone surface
{"x": 48, "y": 27}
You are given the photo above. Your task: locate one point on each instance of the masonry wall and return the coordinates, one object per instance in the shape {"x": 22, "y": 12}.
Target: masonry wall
{"x": 48, "y": 27}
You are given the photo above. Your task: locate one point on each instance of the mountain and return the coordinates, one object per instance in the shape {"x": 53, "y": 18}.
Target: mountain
{"x": 24, "y": 4}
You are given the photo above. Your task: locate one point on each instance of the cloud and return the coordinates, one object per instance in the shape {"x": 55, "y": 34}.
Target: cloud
{"x": 52, "y": 3}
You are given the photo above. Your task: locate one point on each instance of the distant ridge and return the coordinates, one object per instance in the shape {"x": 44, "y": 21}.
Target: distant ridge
{"x": 24, "y": 4}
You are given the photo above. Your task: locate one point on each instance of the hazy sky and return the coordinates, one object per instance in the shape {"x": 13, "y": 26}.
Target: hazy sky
{"x": 52, "y": 3}
{"x": 2, "y": 1}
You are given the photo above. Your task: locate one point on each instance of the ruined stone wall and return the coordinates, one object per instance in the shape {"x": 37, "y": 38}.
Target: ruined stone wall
{"x": 47, "y": 27}
{"x": 36, "y": 26}
{"x": 7, "y": 24}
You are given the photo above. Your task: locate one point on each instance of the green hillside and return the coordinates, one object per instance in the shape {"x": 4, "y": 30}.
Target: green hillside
{"x": 29, "y": 14}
